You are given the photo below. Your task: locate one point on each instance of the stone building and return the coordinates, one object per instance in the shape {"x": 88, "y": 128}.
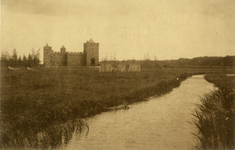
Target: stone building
{"x": 89, "y": 56}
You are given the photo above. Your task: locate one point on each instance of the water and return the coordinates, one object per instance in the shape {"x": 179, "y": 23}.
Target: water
{"x": 160, "y": 123}
{"x": 230, "y": 75}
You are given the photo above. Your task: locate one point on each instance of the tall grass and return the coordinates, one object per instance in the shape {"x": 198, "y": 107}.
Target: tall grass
{"x": 215, "y": 116}
{"x": 33, "y": 102}
{"x": 50, "y": 137}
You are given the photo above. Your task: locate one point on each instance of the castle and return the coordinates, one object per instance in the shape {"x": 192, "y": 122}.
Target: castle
{"x": 89, "y": 56}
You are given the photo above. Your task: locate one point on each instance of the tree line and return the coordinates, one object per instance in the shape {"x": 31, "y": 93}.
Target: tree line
{"x": 13, "y": 60}
{"x": 181, "y": 62}
{"x": 185, "y": 62}
{"x": 194, "y": 62}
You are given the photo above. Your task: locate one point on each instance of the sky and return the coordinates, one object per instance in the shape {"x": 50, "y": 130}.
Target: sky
{"x": 125, "y": 29}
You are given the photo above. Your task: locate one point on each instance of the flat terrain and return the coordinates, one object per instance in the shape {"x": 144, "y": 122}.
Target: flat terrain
{"x": 36, "y": 99}
{"x": 49, "y": 87}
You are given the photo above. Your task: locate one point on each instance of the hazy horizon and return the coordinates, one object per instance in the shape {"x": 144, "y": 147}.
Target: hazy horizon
{"x": 128, "y": 29}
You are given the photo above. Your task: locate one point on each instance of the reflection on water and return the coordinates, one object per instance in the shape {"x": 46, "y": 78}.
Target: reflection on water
{"x": 160, "y": 123}
{"x": 230, "y": 74}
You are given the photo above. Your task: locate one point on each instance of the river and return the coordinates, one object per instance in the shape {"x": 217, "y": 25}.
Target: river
{"x": 159, "y": 123}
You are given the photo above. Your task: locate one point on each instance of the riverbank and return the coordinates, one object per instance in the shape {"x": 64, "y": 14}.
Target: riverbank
{"x": 215, "y": 116}
{"x": 34, "y": 101}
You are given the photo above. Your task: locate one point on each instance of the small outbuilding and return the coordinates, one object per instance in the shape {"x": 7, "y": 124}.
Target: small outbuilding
{"x": 134, "y": 67}
{"x": 105, "y": 67}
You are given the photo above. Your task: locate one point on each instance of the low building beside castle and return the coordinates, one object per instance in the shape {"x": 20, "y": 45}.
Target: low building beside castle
{"x": 119, "y": 66}
{"x": 89, "y": 56}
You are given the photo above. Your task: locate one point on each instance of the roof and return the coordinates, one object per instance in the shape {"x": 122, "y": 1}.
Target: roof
{"x": 90, "y": 41}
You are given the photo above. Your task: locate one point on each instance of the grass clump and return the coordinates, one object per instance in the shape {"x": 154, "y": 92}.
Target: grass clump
{"x": 215, "y": 116}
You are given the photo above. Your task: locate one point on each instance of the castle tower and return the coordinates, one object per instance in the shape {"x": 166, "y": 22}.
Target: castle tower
{"x": 62, "y": 50}
{"x": 47, "y": 55}
{"x": 63, "y": 56}
{"x": 91, "y": 53}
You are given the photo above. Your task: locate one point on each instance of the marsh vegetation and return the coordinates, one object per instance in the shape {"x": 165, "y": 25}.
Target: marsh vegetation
{"x": 215, "y": 116}
{"x": 33, "y": 101}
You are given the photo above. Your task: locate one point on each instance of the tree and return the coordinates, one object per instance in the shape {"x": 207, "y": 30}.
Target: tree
{"x": 14, "y": 56}
{"x": 38, "y": 55}
{"x": 12, "y": 61}
{"x": 24, "y": 61}
{"x": 155, "y": 62}
{"x": 30, "y": 60}
{"x": 155, "y": 57}
{"x": 19, "y": 61}
{"x": 147, "y": 57}
{"x": 4, "y": 58}
{"x": 35, "y": 57}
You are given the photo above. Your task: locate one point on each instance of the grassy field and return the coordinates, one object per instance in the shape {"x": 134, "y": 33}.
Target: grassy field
{"x": 215, "y": 116}
{"x": 31, "y": 101}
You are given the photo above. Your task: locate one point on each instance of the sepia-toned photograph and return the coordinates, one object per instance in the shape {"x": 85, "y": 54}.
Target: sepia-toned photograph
{"x": 117, "y": 75}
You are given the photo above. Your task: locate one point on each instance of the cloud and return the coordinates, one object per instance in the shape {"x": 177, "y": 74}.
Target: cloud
{"x": 57, "y": 7}
{"x": 38, "y": 7}
{"x": 30, "y": 7}
{"x": 162, "y": 27}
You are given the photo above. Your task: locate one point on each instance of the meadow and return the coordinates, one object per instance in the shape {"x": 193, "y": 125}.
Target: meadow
{"x": 215, "y": 116}
{"x": 34, "y": 101}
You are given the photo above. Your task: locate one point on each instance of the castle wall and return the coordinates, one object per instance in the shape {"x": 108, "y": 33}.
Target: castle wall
{"x": 63, "y": 58}
{"x": 56, "y": 59}
{"x": 89, "y": 57}
{"x": 75, "y": 59}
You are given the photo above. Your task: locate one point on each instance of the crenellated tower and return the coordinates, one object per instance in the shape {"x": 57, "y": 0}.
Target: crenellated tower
{"x": 47, "y": 55}
{"x": 91, "y": 53}
{"x": 89, "y": 57}
{"x": 63, "y": 50}
{"x": 63, "y": 56}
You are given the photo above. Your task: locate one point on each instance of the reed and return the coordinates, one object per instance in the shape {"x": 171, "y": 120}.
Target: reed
{"x": 48, "y": 138}
{"x": 215, "y": 115}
